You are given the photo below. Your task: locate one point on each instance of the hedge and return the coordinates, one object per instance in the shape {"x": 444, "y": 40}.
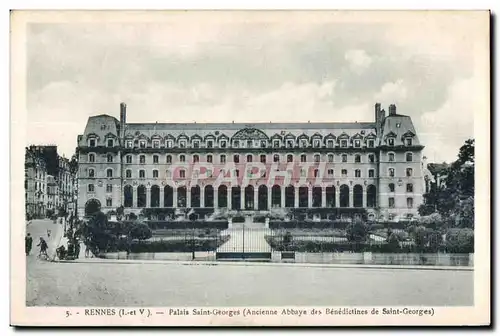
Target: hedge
{"x": 177, "y": 245}
{"x": 295, "y": 224}
{"x": 216, "y": 224}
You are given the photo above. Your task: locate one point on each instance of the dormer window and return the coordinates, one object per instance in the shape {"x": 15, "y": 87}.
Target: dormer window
{"x": 196, "y": 144}
{"x": 303, "y": 143}
{"x": 210, "y": 144}
{"x": 289, "y": 143}
{"x": 142, "y": 144}
{"x": 409, "y": 142}
{"x": 223, "y": 144}
{"x": 111, "y": 143}
{"x": 357, "y": 143}
{"x": 129, "y": 144}
{"x": 371, "y": 143}
{"x": 92, "y": 143}
{"x": 263, "y": 143}
{"x": 182, "y": 144}
{"x": 343, "y": 143}
{"x": 169, "y": 144}
{"x": 316, "y": 143}
{"x": 156, "y": 144}
{"x": 236, "y": 143}
{"x": 329, "y": 143}
{"x": 276, "y": 143}
{"x": 390, "y": 141}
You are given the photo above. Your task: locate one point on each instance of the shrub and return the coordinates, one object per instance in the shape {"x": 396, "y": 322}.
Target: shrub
{"x": 460, "y": 241}
{"x": 393, "y": 242}
{"x": 356, "y": 231}
{"x": 132, "y": 216}
{"x": 140, "y": 231}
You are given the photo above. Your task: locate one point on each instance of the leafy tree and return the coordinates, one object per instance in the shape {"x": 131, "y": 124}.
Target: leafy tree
{"x": 460, "y": 240}
{"x": 420, "y": 237}
{"x": 287, "y": 239}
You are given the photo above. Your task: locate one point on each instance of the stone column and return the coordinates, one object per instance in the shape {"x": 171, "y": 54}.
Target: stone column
{"x": 134, "y": 197}
{"x": 296, "y": 195}
{"x": 256, "y": 198}
{"x": 364, "y": 198}
{"x": 202, "y": 196}
{"x": 148, "y": 197}
{"x": 229, "y": 198}
{"x": 216, "y": 198}
{"x": 269, "y": 198}
{"x": 188, "y": 197}
{"x": 283, "y": 197}
{"x": 323, "y": 197}
{"x": 162, "y": 197}
{"x": 337, "y": 197}
{"x": 174, "y": 197}
{"x": 242, "y": 198}
{"x": 351, "y": 197}
{"x": 309, "y": 197}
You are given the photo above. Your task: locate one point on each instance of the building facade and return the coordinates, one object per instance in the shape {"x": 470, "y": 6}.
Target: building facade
{"x": 49, "y": 181}
{"x": 372, "y": 166}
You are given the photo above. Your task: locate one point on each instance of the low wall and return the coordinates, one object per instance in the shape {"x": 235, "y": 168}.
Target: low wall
{"x": 369, "y": 258}
{"x": 172, "y": 256}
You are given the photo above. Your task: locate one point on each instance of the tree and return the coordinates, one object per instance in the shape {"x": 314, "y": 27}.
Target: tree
{"x": 460, "y": 241}
{"x": 392, "y": 241}
{"x": 420, "y": 237}
{"x": 357, "y": 231}
{"x": 119, "y": 212}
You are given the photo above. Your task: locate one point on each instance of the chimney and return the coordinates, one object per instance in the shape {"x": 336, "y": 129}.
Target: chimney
{"x": 392, "y": 109}
{"x": 123, "y": 118}
{"x": 377, "y": 112}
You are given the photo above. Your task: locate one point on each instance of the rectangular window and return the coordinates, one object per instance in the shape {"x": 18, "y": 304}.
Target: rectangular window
{"x": 142, "y": 174}
{"x": 316, "y": 143}
{"x": 343, "y": 143}
{"x": 182, "y": 144}
{"x": 182, "y": 174}
{"x": 391, "y": 172}
{"x": 391, "y": 202}
{"x": 236, "y": 158}
{"x": 109, "y": 188}
{"x": 371, "y": 158}
{"x": 196, "y": 144}
{"x": 155, "y": 158}
{"x": 210, "y": 144}
{"x": 371, "y": 173}
{"x": 371, "y": 143}
{"x": 409, "y": 172}
{"x": 329, "y": 143}
{"x": 409, "y": 142}
{"x": 263, "y": 158}
{"x": 110, "y": 143}
{"x": 222, "y": 159}
{"x": 128, "y": 173}
{"x": 209, "y": 158}
{"x": 142, "y": 144}
{"x": 409, "y": 202}
{"x": 129, "y": 159}
{"x": 357, "y": 143}
{"x": 169, "y": 144}
{"x": 129, "y": 144}
{"x": 155, "y": 173}
{"x": 156, "y": 144}
{"x": 109, "y": 202}
{"x": 142, "y": 159}
{"x": 303, "y": 172}
{"x": 276, "y": 143}
{"x": 409, "y": 187}
{"x": 222, "y": 144}
{"x": 289, "y": 143}
{"x": 391, "y": 142}
{"x": 91, "y": 188}
{"x": 92, "y": 143}
{"x": 237, "y": 173}
{"x": 357, "y": 173}
{"x": 330, "y": 172}
{"x": 344, "y": 172}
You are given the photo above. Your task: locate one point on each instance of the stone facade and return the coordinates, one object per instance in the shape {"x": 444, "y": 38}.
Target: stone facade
{"x": 368, "y": 165}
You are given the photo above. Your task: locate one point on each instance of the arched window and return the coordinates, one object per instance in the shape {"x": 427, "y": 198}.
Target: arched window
{"x": 392, "y": 187}
{"x": 236, "y": 158}
{"x": 169, "y": 159}
{"x": 142, "y": 173}
{"x": 357, "y": 158}
{"x": 276, "y": 158}
{"x": 142, "y": 159}
{"x": 249, "y": 158}
{"x": 317, "y": 157}
{"x": 155, "y": 158}
{"x": 303, "y": 158}
{"x": 344, "y": 157}
{"x": 182, "y": 158}
{"x": 409, "y": 157}
{"x": 109, "y": 158}
{"x": 263, "y": 158}
{"x": 128, "y": 173}
{"x": 109, "y": 172}
{"x": 91, "y": 172}
{"x": 196, "y": 158}
{"x": 289, "y": 158}
{"x": 155, "y": 173}
{"x": 330, "y": 158}
{"x": 409, "y": 172}
{"x": 128, "y": 196}
{"x": 129, "y": 159}
{"x": 222, "y": 158}
{"x": 357, "y": 173}
{"x": 91, "y": 157}
{"x": 209, "y": 158}
{"x": 391, "y": 157}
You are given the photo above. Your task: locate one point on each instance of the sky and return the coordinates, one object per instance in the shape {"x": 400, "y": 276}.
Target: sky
{"x": 251, "y": 67}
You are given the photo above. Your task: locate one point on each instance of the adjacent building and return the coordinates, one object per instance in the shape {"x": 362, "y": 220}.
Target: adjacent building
{"x": 50, "y": 181}
{"x": 371, "y": 167}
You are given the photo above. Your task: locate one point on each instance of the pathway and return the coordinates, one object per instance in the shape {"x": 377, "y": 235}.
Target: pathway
{"x": 246, "y": 238}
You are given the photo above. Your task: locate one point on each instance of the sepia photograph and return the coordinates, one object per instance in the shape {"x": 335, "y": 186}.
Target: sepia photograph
{"x": 250, "y": 167}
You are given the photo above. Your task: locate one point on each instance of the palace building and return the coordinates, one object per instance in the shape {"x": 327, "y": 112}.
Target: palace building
{"x": 374, "y": 166}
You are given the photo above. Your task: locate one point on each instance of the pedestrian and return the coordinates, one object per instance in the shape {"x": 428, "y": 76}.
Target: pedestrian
{"x": 77, "y": 248}
{"x": 87, "y": 249}
{"x": 48, "y": 233}
{"x": 28, "y": 243}
{"x": 43, "y": 247}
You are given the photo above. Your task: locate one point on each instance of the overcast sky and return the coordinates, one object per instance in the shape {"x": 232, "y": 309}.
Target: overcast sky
{"x": 185, "y": 68}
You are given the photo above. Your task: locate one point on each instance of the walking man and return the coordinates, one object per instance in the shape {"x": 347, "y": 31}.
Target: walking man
{"x": 28, "y": 240}
{"x": 43, "y": 247}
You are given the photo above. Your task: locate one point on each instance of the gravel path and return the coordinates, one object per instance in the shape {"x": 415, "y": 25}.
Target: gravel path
{"x": 107, "y": 284}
